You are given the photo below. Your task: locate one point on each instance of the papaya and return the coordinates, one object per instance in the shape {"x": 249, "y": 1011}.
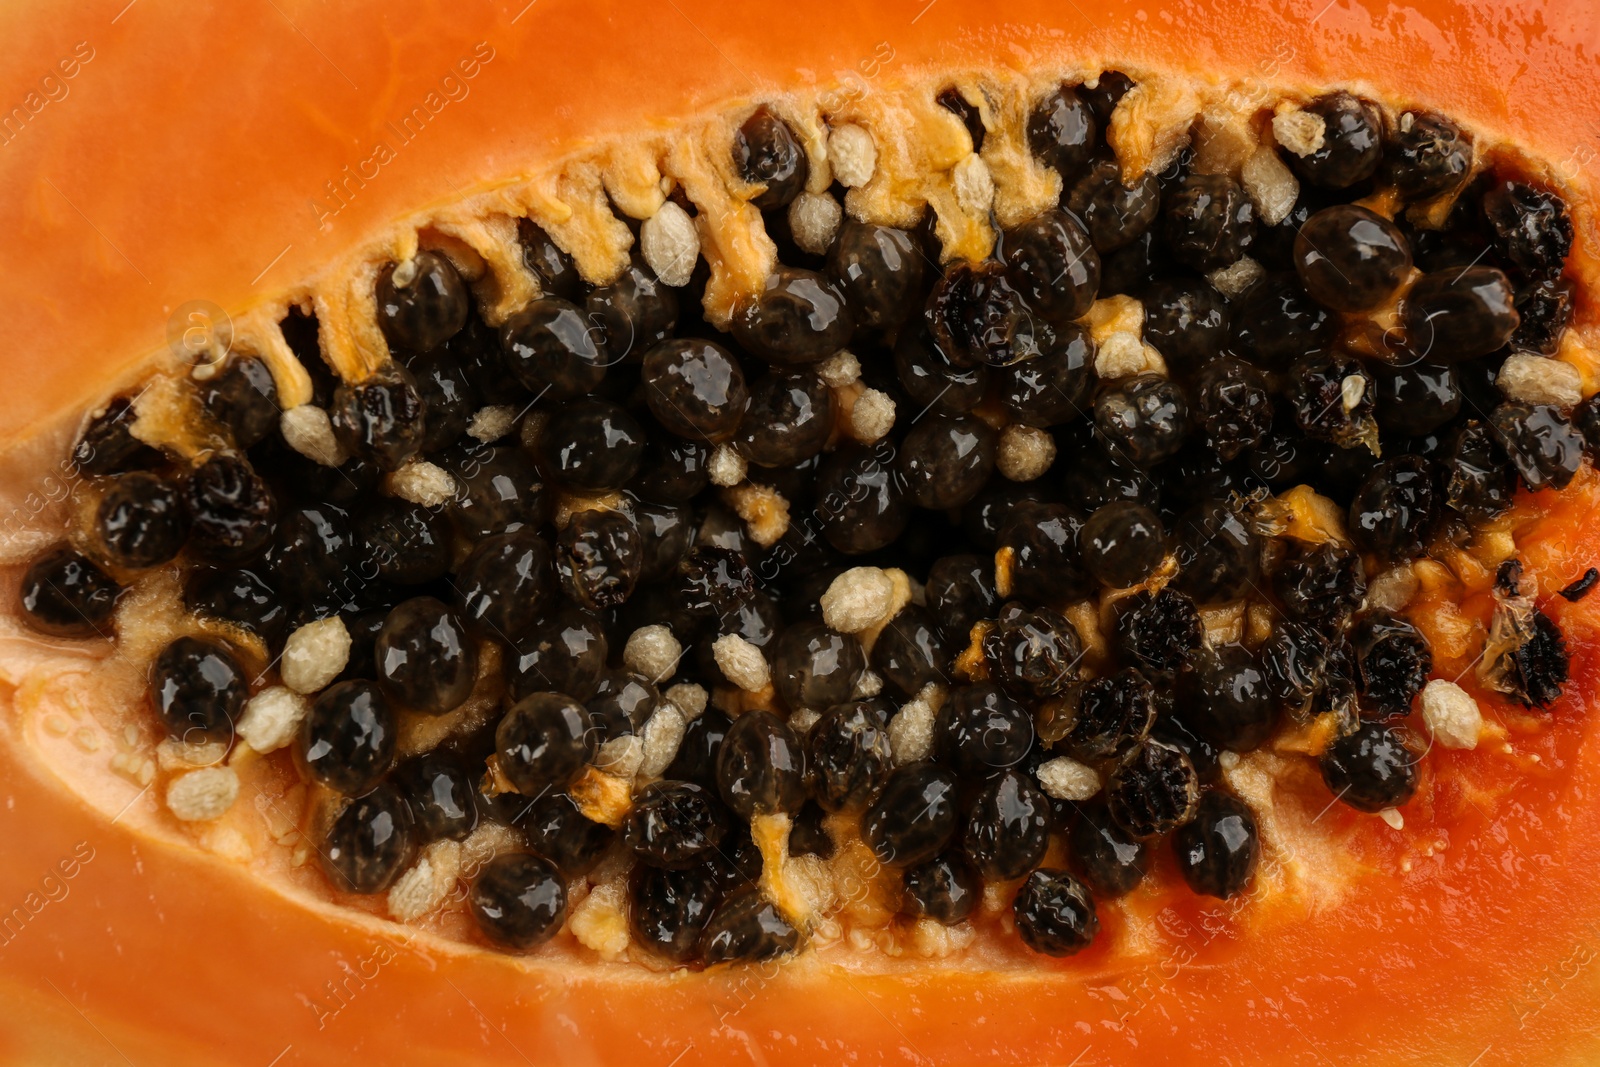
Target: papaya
{"x": 588, "y": 532}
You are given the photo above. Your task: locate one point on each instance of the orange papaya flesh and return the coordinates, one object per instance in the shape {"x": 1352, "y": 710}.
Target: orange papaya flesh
{"x": 1465, "y": 939}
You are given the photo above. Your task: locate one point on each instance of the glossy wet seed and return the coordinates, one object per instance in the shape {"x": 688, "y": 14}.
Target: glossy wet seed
{"x": 800, "y": 317}
{"x": 668, "y": 909}
{"x": 981, "y": 729}
{"x": 848, "y": 755}
{"x": 1352, "y": 142}
{"x": 1055, "y": 914}
{"x": 1456, "y": 314}
{"x": 426, "y": 662}
{"x": 695, "y": 389}
{"x": 815, "y": 667}
{"x": 1062, "y": 131}
{"x": 747, "y": 928}
{"x": 976, "y": 315}
{"x": 64, "y": 594}
{"x": 1008, "y": 827}
{"x": 910, "y": 652}
{"x": 592, "y": 446}
{"x": 674, "y": 824}
{"x": 381, "y": 420}
{"x": 369, "y": 843}
{"x": 945, "y": 460}
{"x": 1350, "y": 258}
{"x": 914, "y": 817}
{"x": 439, "y": 789}
{"x": 1427, "y": 155}
{"x": 767, "y": 153}
{"x": 543, "y": 743}
{"x": 552, "y": 350}
{"x": 1114, "y": 213}
{"x": 1034, "y": 653}
{"x": 1219, "y": 850}
{"x": 1103, "y": 855}
{"x": 788, "y": 421}
{"x": 141, "y": 521}
{"x": 761, "y": 766}
{"x": 1153, "y": 790}
{"x": 1052, "y": 264}
{"x": 598, "y": 555}
{"x": 505, "y": 583}
{"x": 1114, "y": 714}
{"x": 946, "y": 889}
{"x": 518, "y": 900}
{"x": 577, "y": 441}
{"x": 244, "y": 398}
{"x": 405, "y": 543}
{"x": 880, "y": 272}
{"x": 198, "y": 689}
{"x": 1210, "y": 222}
{"x": 107, "y": 445}
{"x": 1226, "y": 697}
{"x": 348, "y": 741}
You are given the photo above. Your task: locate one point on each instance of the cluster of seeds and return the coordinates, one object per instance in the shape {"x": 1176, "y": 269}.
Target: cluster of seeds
{"x": 910, "y": 551}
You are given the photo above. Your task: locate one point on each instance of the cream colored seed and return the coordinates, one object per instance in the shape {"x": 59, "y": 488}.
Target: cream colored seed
{"x": 600, "y": 922}
{"x": 491, "y": 423}
{"x": 911, "y": 730}
{"x": 741, "y": 663}
{"x": 315, "y": 654}
{"x": 422, "y": 483}
{"x": 869, "y": 685}
{"x": 1351, "y": 390}
{"x": 840, "y": 369}
{"x": 1232, "y": 281}
{"x": 857, "y": 599}
{"x": 803, "y": 720}
{"x": 726, "y": 467}
{"x": 308, "y": 430}
{"x": 974, "y": 185}
{"x": 1450, "y": 714}
{"x": 1270, "y": 184}
{"x": 653, "y": 652}
{"x": 1534, "y": 379}
{"x": 620, "y": 757}
{"x": 872, "y": 416}
{"x": 1024, "y": 453}
{"x": 1123, "y": 354}
{"x": 670, "y": 244}
{"x": 203, "y": 794}
{"x": 1300, "y": 132}
{"x": 404, "y": 274}
{"x": 852, "y": 155}
{"x": 427, "y": 885}
{"x": 813, "y": 220}
{"x": 662, "y": 734}
{"x": 690, "y": 698}
{"x": 272, "y": 718}
{"x": 1067, "y": 779}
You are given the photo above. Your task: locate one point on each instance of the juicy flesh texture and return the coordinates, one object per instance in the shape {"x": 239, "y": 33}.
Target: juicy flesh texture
{"x": 1560, "y": 536}
{"x": 1310, "y": 859}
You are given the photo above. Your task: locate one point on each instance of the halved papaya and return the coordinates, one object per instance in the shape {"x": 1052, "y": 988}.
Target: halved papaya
{"x": 178, "y": 181}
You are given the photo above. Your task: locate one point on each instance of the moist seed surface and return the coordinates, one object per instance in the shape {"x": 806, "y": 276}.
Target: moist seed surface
{"x": 910, "y": 554}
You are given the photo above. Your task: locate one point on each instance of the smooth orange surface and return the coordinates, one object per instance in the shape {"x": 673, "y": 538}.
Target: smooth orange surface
{"x": 187, "y": 160}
